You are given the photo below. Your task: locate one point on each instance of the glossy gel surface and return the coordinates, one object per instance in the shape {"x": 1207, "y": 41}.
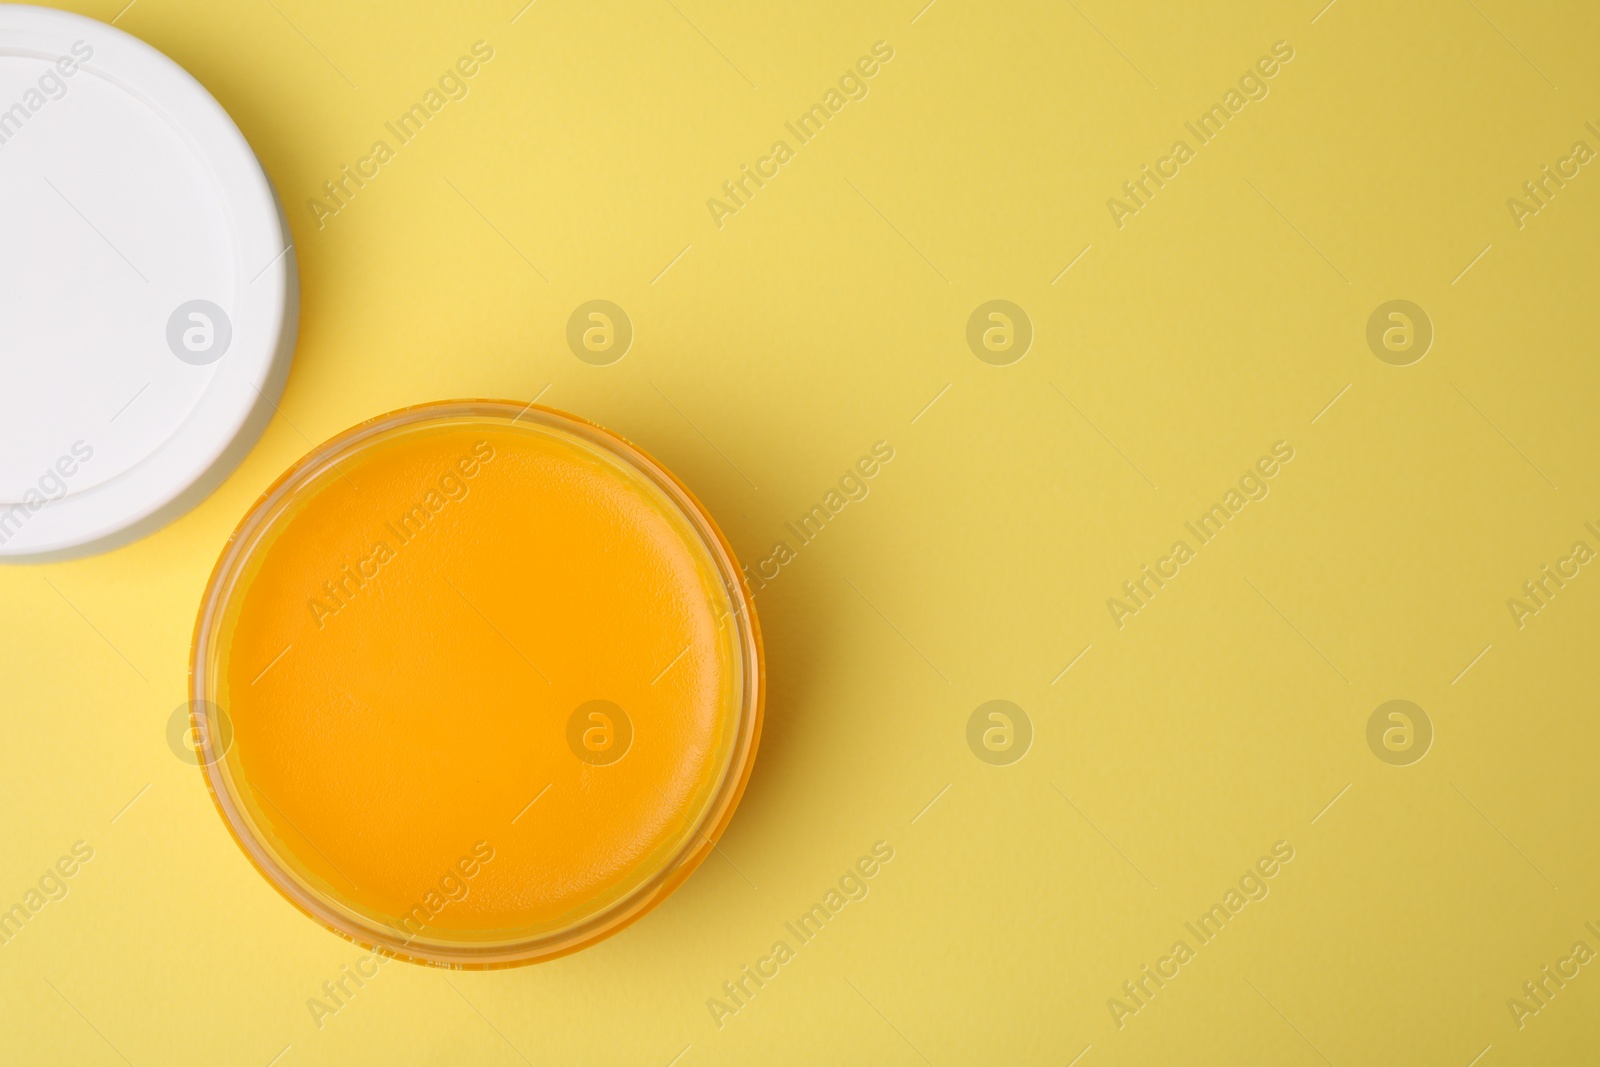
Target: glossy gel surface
{"x": 485, "y": 684}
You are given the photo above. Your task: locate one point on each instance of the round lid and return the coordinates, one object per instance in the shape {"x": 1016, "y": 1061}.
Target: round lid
{"x": 147, "y": 288}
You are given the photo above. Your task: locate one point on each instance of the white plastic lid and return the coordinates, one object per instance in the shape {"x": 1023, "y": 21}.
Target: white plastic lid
{"x": 148, "y": 294}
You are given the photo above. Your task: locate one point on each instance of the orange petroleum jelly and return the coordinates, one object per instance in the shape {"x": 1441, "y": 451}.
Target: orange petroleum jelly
{"x": 472, "y": 684}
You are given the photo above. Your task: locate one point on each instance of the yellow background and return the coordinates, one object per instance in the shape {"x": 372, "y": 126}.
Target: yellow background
{"x": 825, "y": 316}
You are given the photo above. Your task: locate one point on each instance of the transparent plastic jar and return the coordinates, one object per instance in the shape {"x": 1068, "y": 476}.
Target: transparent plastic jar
{"x": 322, "y": 747}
